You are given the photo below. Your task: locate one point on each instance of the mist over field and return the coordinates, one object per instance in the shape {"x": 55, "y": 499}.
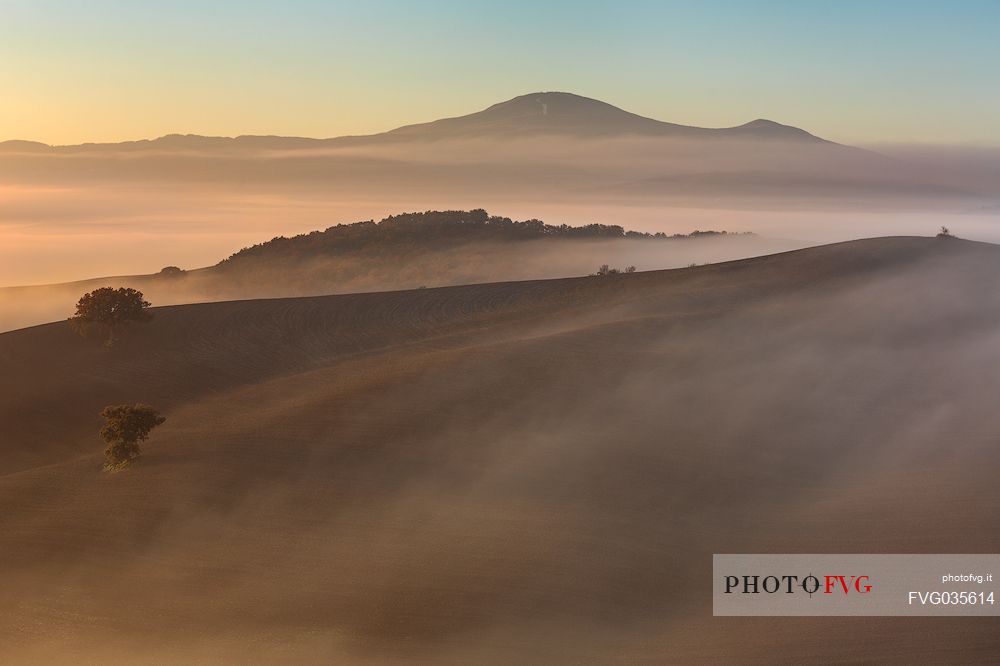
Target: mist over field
{"x": 72, "y": 233}
{"x": 531, "y": 471}
{"x": 73, "y": 212}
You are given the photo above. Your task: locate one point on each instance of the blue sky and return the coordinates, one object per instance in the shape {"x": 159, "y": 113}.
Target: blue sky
{"x": 859, "y": 72}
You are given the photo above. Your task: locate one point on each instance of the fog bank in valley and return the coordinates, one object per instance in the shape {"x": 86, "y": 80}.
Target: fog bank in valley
{"x": 67, "y": 213}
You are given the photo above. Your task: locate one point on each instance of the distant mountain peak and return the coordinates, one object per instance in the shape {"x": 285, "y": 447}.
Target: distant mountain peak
{"x": 537, "y": 113}
{"x": 545, "y": 113}
{"x": 541, "y": 103}
{"x": 564, "y": 113}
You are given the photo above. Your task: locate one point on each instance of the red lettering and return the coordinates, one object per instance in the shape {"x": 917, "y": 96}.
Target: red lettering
{"x": 845, "y": 583}
{"x": 831, "y": 583}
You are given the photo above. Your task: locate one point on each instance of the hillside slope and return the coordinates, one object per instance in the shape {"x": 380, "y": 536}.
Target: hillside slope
{"x": 405, "y": 251}
{"x": 533, "y": 471}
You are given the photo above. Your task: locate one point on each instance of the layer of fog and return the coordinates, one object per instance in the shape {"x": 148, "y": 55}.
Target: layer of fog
{"x": 69, "y": 214}
{"x": 555, "y": 495}
{"x": 978, "y": 166}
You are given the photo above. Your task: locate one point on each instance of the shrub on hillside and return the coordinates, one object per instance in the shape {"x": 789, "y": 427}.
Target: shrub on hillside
{"x": 604, "y": 269}
{"x": 125, "y": 427}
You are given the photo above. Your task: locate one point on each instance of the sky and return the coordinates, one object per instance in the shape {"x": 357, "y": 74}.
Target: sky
{"x": 879, "y": 71}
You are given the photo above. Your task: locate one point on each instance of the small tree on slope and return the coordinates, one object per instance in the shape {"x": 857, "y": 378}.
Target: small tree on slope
{"x": 126, "y": 426}
{"x": 110, "y": 308}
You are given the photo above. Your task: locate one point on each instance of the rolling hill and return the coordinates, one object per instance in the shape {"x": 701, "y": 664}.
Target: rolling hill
{"x": 529, "y": 471}
{"x": 405, "y": 251}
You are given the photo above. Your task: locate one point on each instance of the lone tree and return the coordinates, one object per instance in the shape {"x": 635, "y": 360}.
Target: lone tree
{"x": 111, "y": 309}
{"x": 126, "y": 426}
